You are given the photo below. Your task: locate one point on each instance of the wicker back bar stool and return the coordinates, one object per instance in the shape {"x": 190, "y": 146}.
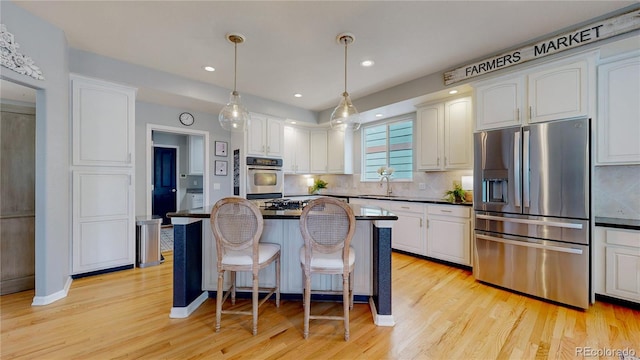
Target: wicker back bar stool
{"x": 237, "y": 225}
{"x": 327, "y": 226}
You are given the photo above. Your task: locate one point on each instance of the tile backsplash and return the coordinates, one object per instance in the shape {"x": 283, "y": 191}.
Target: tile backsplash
{"x": 616, "y": 191}
{"x": 435, "y": 184}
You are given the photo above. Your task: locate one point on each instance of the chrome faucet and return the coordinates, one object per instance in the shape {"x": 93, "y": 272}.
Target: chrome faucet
{"x": 386, "y": 177}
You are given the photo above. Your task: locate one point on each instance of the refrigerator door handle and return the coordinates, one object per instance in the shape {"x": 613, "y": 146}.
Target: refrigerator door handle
{"x": 516, "y": 167}
{"x": 531, "y": 244}
{"x": 525, "y": 169}
{"x": 531, "y": 222}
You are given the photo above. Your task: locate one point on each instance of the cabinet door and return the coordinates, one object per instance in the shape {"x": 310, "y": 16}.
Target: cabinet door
{"x": 618, "y": 112}
{"x": 274, "y": 138}
{"x": 256, "y": 131}
{"x": 103, "y": 123}
{"x": 302, "y": 151}
{"x": 196, "y": 154}
{"x": 458, "y": 134}
{"x": 103, "y": 225}
{"x": 499, "y": 103}
{"x": 430, "y": 121}
{"x": 289, "y": 153}
{"x": 623, "y": 272}
{"x": 318, "y": 151}
{"x": 558, "y": 93}
{"x": 449, "y": 239}
{"x": 339, "y": 151}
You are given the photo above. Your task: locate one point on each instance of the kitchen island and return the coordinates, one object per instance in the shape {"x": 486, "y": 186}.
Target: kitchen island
{"x": 194, "y": 269}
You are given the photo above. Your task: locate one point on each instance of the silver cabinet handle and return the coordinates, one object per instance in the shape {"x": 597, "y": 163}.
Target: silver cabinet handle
{"x": 445, "y": 211}
{"x": 531, "y": 222}
{"x": 516, "y": 167}
{"x": 531, "y": 245}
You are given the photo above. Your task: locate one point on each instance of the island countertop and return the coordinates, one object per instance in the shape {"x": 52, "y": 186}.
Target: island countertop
{"x": 362, "y": 212}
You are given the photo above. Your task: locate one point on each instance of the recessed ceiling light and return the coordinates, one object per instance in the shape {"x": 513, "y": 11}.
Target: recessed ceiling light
{"x": 298, "y": 95}
{"x": 293, "y": 122}
{"x": 453, "y": 92}
{"x": 209, "y": 68}
{"x": 367, "y": 63}
{"x": 378, "y": 115}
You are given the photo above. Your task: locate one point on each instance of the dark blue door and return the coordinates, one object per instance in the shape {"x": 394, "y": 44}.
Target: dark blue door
{"x": 164, "y": 182}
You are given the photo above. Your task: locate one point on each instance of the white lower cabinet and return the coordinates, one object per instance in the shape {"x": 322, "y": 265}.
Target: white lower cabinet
{"x": 449, "y": 233}
{"x": 408, "y": 232}
{"x": 103, "y": 221}
{"x": 617, "y": 263}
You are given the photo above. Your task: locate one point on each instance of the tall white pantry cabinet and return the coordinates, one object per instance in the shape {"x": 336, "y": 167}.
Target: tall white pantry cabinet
{"x": 103, "y": 221}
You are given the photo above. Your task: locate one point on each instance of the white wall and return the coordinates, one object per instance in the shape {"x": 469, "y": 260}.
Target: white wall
{"x": 47, "y": 46}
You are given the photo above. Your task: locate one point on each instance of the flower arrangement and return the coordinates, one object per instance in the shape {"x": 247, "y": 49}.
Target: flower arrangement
{"x": 317, "y": 185}
{"x": 385, "y": 171}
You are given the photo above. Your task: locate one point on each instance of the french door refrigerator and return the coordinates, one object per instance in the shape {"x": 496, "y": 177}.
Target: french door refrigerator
{"x": 532, "y": 202}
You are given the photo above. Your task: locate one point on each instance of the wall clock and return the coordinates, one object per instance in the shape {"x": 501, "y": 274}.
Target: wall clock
{"x": 186, "y": 119}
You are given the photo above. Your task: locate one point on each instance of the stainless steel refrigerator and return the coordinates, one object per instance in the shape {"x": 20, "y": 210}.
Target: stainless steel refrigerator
{"x": 532, "y": 202}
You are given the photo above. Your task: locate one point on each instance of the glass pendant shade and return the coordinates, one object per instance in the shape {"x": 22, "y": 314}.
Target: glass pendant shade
{"x": 345, "y": 115}
{"x": 234, "y": 116}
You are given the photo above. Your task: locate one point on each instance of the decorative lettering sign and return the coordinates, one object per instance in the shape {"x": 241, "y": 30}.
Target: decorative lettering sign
{"x": 598, "y": 31}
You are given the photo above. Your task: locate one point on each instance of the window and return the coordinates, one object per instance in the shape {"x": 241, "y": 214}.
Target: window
{"x": 388, "y": 144}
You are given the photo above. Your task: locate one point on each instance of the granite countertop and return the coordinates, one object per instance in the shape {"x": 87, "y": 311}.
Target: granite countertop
{"x": 629, "y": 224}
{"x": 391, "y": 198}
{"x": 362, "y": 212}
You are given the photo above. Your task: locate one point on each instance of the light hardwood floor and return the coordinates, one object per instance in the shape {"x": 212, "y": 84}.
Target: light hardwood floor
{"x": 440, "y": 312}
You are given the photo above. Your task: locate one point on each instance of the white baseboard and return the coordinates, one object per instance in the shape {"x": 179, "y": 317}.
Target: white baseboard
{"x": 380, "y": 320}
{"x": 46, "y": 300}
{"x": 183, "y": 312}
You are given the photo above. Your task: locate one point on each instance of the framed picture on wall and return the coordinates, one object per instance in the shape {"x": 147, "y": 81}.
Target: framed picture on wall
{"x": 221, "y": 167}
{"x": 221, "y": 148}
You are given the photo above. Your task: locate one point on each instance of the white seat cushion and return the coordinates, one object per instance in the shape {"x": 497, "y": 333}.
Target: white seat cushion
{"x": 328, "y": 261}
{"x": 244, "y": 257}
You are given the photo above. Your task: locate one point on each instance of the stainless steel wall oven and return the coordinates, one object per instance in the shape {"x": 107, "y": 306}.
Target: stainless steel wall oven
{"x": 265, "y": 178}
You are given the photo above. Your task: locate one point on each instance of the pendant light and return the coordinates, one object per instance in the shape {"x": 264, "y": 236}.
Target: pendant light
{"x": 345, "y": 115}
{"x": 234, "y": 116}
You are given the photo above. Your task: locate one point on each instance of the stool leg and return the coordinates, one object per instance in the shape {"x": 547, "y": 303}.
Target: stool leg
{"x": 233, "y": 288}
{"x": 346, "y": 304}
{"x": 307, "y": 303}
{"x": 278, "y": 282}
{"x": 254, "y": 302}
{"x": 219, "y": 296}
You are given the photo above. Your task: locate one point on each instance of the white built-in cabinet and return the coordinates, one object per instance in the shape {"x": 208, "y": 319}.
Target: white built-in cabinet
{"x": 445, "y": 132}
{"x": 296, "y": 150}
{"x": 318, "y": 151}
{"x": 103, "y": 221}
{"x": 618, "y": 122}
{"x": 196, "y": 154}
{"x": 617, "y": 263}
{"x": 409, "y": 232}
{"x": 449, "y": 233}
{"x": 265, "y": 136}
{"x": 555, "y": 91}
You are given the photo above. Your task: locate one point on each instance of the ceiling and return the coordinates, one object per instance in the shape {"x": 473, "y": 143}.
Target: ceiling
{"x": 291, "y": 46}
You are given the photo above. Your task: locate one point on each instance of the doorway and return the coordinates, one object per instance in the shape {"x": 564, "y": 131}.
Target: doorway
{"x": 164, "y": 182}
{"x": 17, "y": 188}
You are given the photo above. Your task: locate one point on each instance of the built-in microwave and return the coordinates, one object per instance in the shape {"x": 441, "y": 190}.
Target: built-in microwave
{"x": 265, "y": 178}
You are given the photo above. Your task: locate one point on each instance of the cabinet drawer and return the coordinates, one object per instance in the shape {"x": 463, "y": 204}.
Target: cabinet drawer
{"x": 622, "y": 237}
{"x": 405, "y": 206}
{"x": 450, "y": 210}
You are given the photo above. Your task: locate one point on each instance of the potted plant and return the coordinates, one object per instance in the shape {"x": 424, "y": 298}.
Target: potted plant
{"x": 457, "y": 195}
{"x": 317, "y": 186}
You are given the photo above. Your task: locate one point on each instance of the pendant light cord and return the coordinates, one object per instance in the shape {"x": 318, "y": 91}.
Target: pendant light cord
{"x": 345, "y": 64}
{"x": 235, "y": 66}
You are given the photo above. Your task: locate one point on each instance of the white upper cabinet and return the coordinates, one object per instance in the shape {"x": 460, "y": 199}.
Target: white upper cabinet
{"x": 318, "y": 156}
{"x": 196, "y": 154}
{"x": 265, "y": 136}
{"x": 558, "y": 92}
{"x": 445, "y": 136}
{"x": 618, "y": 122}
{"x": 499, "y": 103}
{"x": 339, "y": 151}
{"x": 103, "y": 116}
{"x": 458, "y": 134}
{"x": 296, "y": 150}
